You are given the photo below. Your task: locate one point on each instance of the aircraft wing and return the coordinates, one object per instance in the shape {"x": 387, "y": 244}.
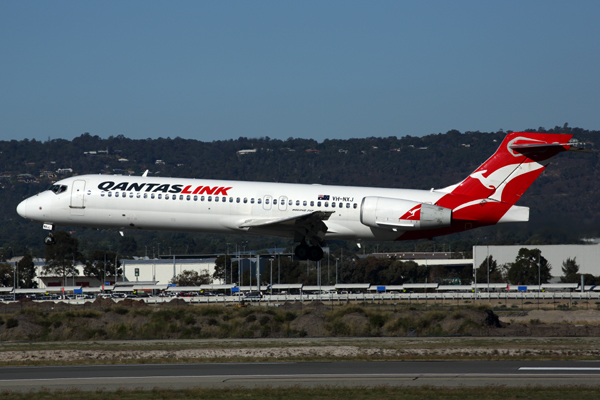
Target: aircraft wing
{"x": 301, "y": 219}
{"x": 310, "y": 225}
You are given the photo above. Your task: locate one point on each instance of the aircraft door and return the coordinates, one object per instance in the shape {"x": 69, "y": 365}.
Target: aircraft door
{"x": 267, "y": 202}
{"x": 282, "y": 203}
{"x": 77, "y": 197}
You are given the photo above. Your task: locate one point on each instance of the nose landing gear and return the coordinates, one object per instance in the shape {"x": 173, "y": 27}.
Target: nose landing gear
{"x": 49, "y": 240}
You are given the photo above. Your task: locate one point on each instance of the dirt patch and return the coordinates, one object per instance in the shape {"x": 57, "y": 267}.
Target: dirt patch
{"x": 311, "y": 324}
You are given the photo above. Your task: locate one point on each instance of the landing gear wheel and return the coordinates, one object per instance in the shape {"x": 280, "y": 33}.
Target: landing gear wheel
{"x": 49, "y": 240}
{"x": 315, "y": 253}
{"x": 302, "y": 252}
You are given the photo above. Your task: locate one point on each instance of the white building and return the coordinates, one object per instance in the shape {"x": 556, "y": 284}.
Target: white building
{"x": 587, "y": 256}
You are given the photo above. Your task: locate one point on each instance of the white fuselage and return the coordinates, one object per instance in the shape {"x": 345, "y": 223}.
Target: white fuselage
{"x": 155, "y": 203}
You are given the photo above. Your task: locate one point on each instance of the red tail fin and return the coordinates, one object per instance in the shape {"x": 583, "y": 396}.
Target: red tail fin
{"x": 507, "y": 174}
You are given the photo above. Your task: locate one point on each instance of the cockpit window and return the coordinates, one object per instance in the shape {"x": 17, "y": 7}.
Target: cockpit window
{"x": 56, "y": 189}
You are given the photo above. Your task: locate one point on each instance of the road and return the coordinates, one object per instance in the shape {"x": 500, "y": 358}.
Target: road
{"x": 303, "y": 374}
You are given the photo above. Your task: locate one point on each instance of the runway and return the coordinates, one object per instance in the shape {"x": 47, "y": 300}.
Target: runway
{"x": 302, "y": 374}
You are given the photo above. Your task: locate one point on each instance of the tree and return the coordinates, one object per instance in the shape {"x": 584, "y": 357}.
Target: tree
{"x": 6, "y": 275}
{"x": 127, "y": 246}
{"x": 192, "y": 278}
{"x": 495, "y": 271}
{"x": 223, "y": 269}
{"x": 26, "y": 272}
{"x": 524, "y": 270}
{"x": 570, "y": 270}
{"x": 95, "y": 267}
{"x": 61, "y": 257}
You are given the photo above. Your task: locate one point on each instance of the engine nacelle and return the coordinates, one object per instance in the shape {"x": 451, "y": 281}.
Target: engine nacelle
{"x": 388, "y": 213}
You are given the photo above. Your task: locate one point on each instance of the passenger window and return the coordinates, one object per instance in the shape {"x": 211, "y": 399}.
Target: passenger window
{"x": 160, "y": 196}
{"x": 174, "y": 197}
{"x": 224, "y": 199}
{"x": 347, "y": 205}
{"x": 109, "y": 194}
{"x": 124, "y": 194}
{"x": 152, "y": 195}
{"x": 326, "y": 204}
{"x": 145, "y": 195}
{"x": 304, "y": 203}
{"x": 297, "y": 202}
{"x": 102, "y": 194}
{"x": 231, "y": 199}
{"x": 259, "y": 201}
{"x": 312, "y": 203}
{"x": 209, "y": 198}
{"x": 354, "y": 205}
{"x": 116, "y": 194}
{"x": 252, "y": 200}
{"x": 332, "y": 204}
{"x": 201, "y": 198}
{"x": 216, "y": 198}
{"x": 274, "y": 201}
{"x": 290, "y": 202}
{"x": 188, "y": 197}
{"x": 166, "y": 197}
{"x": 245, "y": 200}
{"x": 266, "y": 201}
{"x": 195, "y": 198}
{"x": 318, "y": 204}
{"x": 237, "y": 200}
{"x": 138, "y": 195}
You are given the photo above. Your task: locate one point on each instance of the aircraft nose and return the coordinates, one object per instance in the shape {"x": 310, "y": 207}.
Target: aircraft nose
{"x": 22, "y": 208}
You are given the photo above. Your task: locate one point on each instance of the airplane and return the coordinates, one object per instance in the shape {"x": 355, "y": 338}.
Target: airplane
{"x": 308, "y": 214}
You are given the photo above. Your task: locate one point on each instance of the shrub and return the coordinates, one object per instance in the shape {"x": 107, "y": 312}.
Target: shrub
{"x": 251, "y": 318}
{"x": 377, "y": 320}
{"x": 264, "y": 320}
{"x": 289, "y": 316}
{"x": 12, "y": 323}
{"x": 457, "y": 314}
{"x": 89, "y": 314}
{"x": 144, "y": 312}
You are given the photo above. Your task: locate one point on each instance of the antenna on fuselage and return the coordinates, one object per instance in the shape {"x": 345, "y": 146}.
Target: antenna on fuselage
{"x": 145, "y": 174}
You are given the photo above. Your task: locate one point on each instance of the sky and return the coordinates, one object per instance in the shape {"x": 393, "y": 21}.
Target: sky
{"x": 217, "y": 70}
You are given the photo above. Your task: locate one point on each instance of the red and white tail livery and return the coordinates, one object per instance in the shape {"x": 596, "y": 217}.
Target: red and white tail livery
{"x": 309, "y": 214}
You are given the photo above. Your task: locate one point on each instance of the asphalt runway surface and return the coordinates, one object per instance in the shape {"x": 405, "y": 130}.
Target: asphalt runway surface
{"x": 302, "y": 374}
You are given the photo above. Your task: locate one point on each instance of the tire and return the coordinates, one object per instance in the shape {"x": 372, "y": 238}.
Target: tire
{"x": 302, "y": 252}
{"x": 315, "y": 253}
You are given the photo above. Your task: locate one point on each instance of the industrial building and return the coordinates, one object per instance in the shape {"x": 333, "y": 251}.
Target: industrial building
{"x": 587, "y": 256}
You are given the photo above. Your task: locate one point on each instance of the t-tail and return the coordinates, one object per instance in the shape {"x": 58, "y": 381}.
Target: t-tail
{"x": 488, "y": 195}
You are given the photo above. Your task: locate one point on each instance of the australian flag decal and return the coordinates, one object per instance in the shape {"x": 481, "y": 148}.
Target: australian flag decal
{"x": 323, "y": 197}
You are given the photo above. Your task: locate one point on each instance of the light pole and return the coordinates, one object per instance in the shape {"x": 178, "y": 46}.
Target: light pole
{"x": 225, "y": 265}
{"x": 336, "y": 271}
{"x": 271, "y": 276}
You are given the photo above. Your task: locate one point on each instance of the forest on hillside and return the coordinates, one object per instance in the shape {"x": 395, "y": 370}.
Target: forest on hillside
{"x": 563, "y": 201}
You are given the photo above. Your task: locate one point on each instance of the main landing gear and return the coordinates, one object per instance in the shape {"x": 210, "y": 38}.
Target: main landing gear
{"x": 306, "y": 252}
{"x": 49, "y": 240}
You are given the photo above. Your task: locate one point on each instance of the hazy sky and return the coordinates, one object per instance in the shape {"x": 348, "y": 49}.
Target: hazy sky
{"x": 213, "y": 70}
